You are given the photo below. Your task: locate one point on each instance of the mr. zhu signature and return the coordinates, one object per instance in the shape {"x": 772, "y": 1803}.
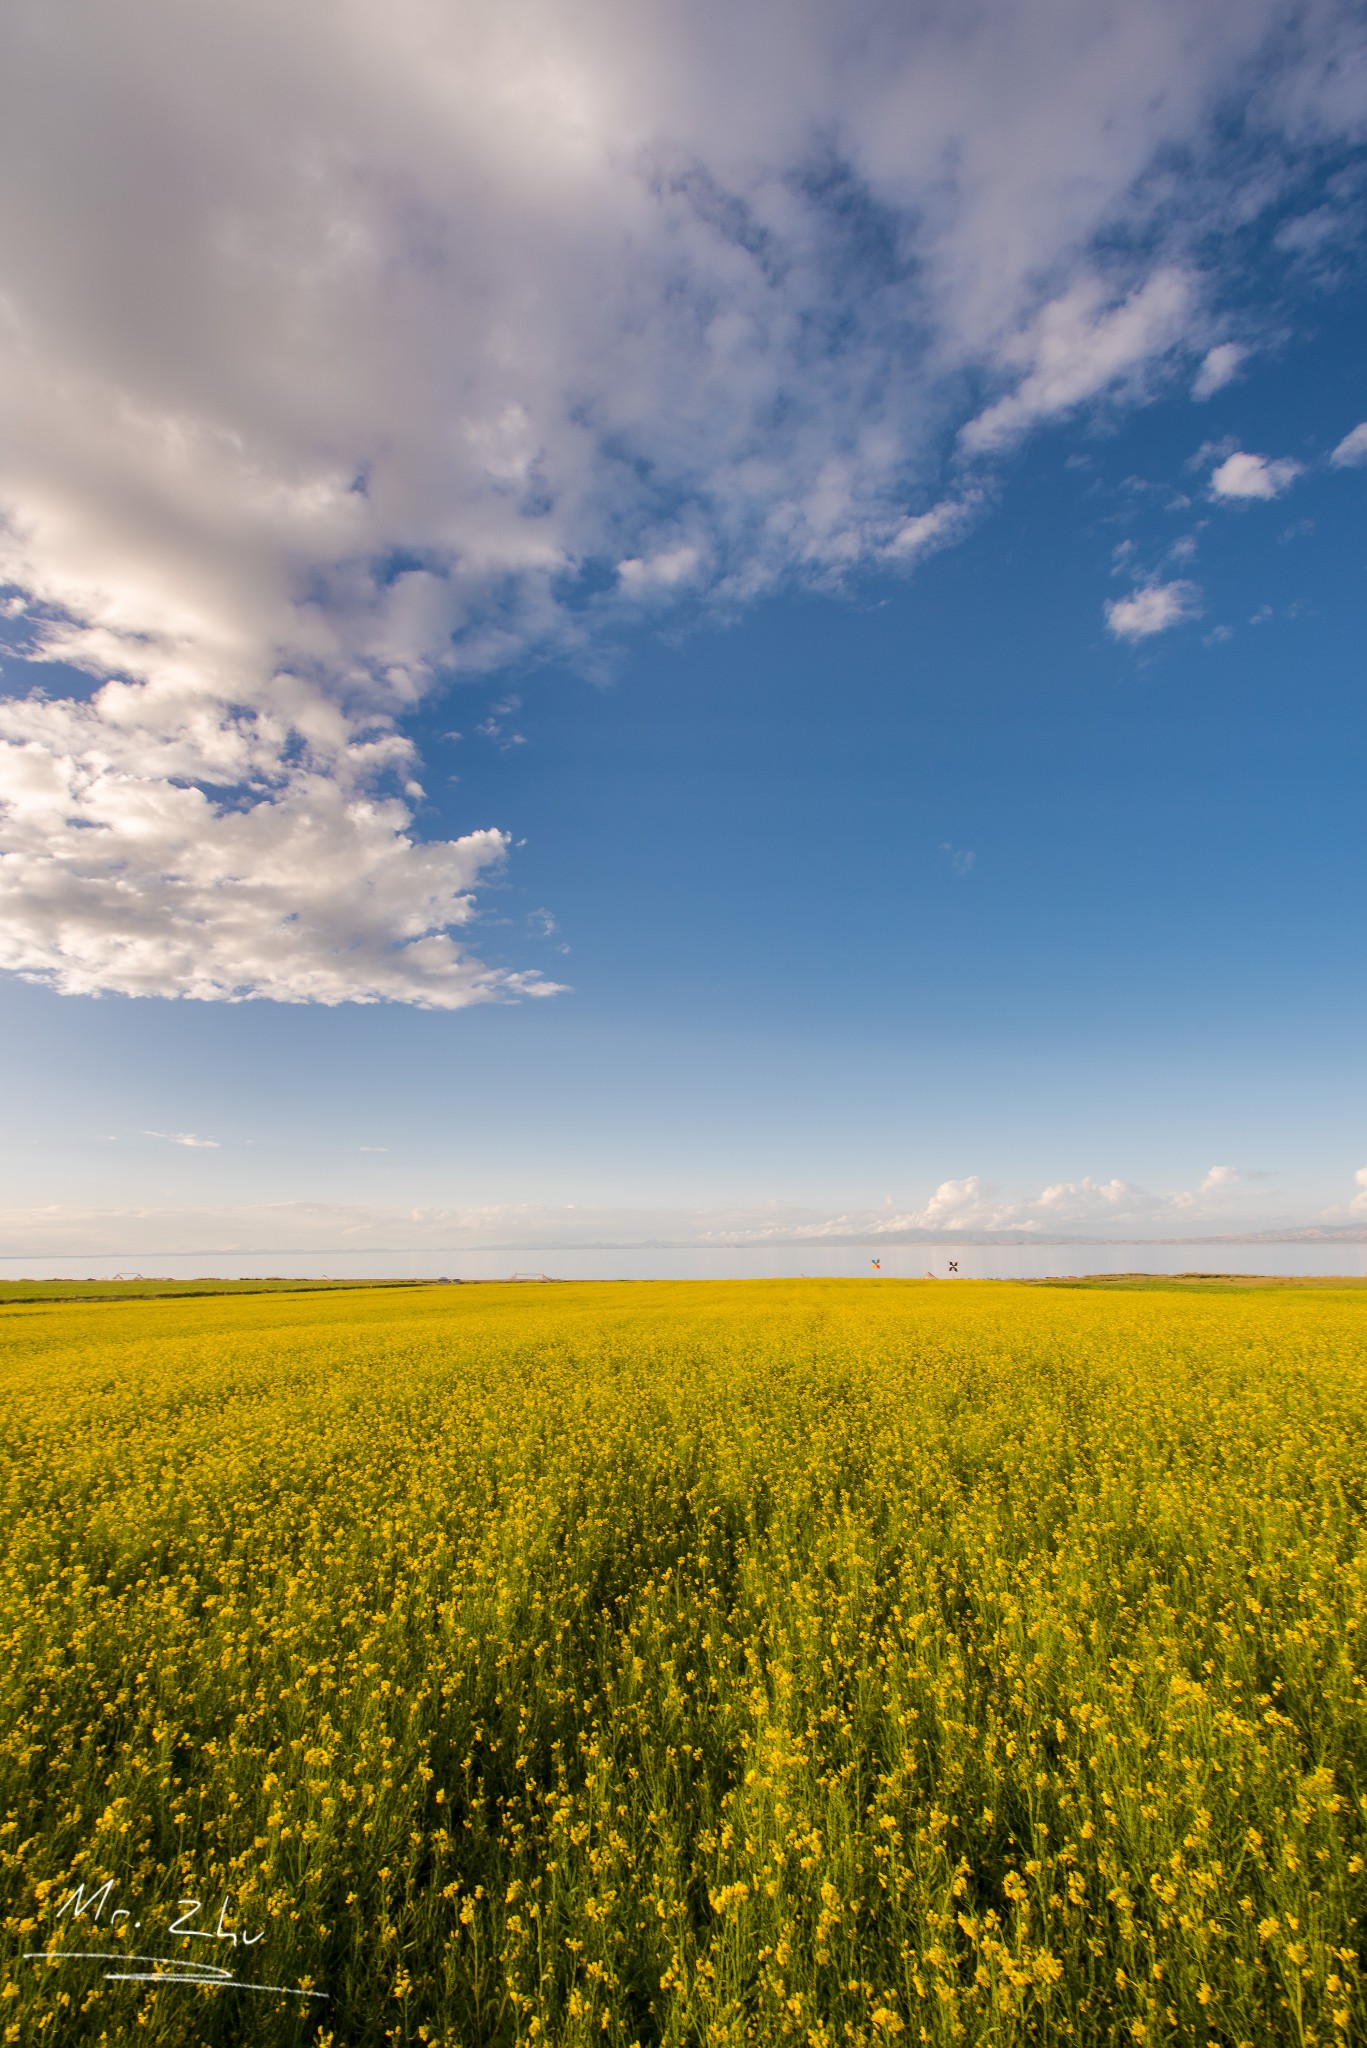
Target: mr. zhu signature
{"x": 163, "y": 1969}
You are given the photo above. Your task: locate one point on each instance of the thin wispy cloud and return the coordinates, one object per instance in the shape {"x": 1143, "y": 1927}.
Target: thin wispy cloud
{"x": 1352, "y": 449}
{"x": 1220, "y": 366}
{"x": 350, "y": 352}
{"x": 1081, "y": 345}
{"x": 937, "y": 528}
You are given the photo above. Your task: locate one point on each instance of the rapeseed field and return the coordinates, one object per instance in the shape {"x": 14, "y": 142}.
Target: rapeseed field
{"x": 826, "y": 1663}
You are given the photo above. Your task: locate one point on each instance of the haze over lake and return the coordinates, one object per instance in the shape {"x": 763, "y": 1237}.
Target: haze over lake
{"x": 943, "y": 1261}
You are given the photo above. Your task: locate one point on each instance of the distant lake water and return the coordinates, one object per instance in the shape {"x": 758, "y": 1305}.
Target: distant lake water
{"x": 776, "y": 1262}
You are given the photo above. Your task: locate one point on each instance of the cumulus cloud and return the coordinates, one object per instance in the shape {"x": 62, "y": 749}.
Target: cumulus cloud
{"x": 1153, "y": 609}
{"x": 122, "y": 871}
{"x": 958, "y": 1202}
{"x": 1253, "y": 476}
{"x": 1219, "y": 366}
{"x": 1352, "y": 449}
{"x": 974, "y": 1205}
{"x": 347, "y": 350}
{"x": 1358, "y": 1205}
{"x": 970, "y": 1206}
{"x": 959, "y": 1205}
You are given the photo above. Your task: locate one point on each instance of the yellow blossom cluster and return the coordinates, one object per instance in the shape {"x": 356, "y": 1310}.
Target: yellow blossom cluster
{"x": 832, "y": 1663}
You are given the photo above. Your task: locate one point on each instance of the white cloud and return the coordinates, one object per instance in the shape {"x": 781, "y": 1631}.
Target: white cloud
{"x": 1358, "y": 1205}
{"x": 1153, "y": 609}
{"x": 1352, "y": 449}
{"x": 1080, "y": 345}
{"x": 943, "y": 523}
{"x": 121, "y": 873}
{"x": 1218, "y": 1182}
{"x": 1253, "y": 476}
{"x": 664, "y": 571}
{"x": 972, "y": 1205}
{"x": 1087, "y": 1200}
{"x": 1219, "y": 367}
{"x": 957, "y": 1204}
{"x": 495, "y": 727}
{"x": 346, "y": 349}
{"x": 1225, "y": 1199}
{"x": 185, "y": 1138}
{"x": 1086, "y": 1205}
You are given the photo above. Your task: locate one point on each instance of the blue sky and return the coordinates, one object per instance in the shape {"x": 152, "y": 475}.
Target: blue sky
{"x": 919, "y": 683}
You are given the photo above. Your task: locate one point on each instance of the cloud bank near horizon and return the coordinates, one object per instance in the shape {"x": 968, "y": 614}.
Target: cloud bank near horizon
{"x": 348, "y": 351}
{"x": 1227, "y": 1201}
